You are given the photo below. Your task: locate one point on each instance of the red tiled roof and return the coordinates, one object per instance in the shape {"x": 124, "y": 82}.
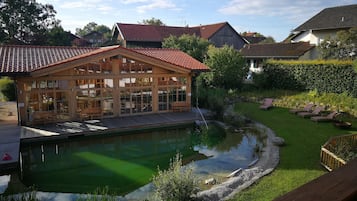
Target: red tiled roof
{"x": 207, "y": 31}
{"x": 18, "y": 58}
{"x": 173, "y": 56}
{"x": 155, "y": 33}
{"x": 95, "y": 51}
{"x": 276, "y": 50}
{"x": 24, "y": 59}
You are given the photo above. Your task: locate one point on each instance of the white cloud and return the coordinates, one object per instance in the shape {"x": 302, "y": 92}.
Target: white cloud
{"x": 162, "y": 4}
{"x": 146, "y": 5}
{"x": 83, "y": 4}
{"x": 134, "y": 1}
{"x": 290, "y": 9}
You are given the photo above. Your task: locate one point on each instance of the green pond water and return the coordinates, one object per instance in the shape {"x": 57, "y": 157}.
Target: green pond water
{"x": 125, "y": 162}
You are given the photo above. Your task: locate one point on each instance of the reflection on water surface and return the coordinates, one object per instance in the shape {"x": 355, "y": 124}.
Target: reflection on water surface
{"x": 126, "y": 162}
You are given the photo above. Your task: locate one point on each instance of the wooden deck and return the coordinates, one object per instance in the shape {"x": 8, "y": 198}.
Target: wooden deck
{"x": 98, "y": 126}
{"x": 338, "y": 185}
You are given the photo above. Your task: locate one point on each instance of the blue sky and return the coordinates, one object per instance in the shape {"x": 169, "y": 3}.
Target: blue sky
{"x": 274, "y": 18}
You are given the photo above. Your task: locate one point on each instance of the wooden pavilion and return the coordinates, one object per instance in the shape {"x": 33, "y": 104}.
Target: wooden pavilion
{"x": 57, "y": 84}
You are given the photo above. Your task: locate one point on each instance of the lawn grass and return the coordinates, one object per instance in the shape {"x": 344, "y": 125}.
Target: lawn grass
{"x": 299, "y": 159}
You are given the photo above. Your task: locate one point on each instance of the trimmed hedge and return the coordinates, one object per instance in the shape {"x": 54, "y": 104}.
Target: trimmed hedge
{"x": 330, "y": 76}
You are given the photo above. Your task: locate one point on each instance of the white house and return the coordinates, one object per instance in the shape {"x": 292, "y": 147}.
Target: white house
{"x": 326, "y": 23}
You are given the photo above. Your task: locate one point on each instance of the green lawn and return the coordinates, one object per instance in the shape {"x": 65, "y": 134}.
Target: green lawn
{"x": 299, "y": 159}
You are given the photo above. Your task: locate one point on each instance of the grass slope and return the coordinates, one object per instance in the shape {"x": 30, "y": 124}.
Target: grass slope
{"x": 299, "y": 159}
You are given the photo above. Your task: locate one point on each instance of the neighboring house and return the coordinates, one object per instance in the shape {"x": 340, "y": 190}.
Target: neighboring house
{"x": 326, "y": 23}
{"x": 256, "y": 54}
{"x": 57, "y": 84}
{"x": 253, "y": 37}
{"x": 138, "y": 35}
{"x": 95, "y": 38}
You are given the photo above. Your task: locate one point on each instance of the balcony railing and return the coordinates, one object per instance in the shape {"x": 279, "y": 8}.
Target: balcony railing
{"x": 329, "y": 159}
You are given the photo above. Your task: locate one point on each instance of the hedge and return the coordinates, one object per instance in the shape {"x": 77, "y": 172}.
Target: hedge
{"x": 324, "y": 76}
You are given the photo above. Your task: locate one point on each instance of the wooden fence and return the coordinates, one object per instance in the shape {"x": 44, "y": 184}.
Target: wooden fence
{"x": 329, "y": 159}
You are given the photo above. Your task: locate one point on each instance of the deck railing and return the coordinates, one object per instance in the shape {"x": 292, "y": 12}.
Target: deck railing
{"x": 329, "y": 159}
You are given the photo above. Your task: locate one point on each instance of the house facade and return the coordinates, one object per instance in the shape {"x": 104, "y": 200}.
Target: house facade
{"x": 256, "y": 54}
{"x": 326, "y": 23}
{"x": 138, "y": 35}
{"x": 57, "y": 84}
{"x": 95, "y": 38}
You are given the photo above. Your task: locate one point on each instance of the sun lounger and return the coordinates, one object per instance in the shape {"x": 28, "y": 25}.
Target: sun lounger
{"x": 267, "y": 103}
{"x": 307, "y": 108}
{"x": 315, "y": 112}
{"x": 329, "y": 117}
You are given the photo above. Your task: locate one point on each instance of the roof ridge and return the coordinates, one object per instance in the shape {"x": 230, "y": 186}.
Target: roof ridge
{"x": 48, "y": 46}
{"x": 153, "y": 48}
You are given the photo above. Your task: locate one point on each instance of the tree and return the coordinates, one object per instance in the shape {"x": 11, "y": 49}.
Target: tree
{"x": 25, "y": 21}
{"x": 152, "y": 21}
{"x": 58, "y": 37}
{"x": 228, "y": 67}
{"x": 191, "y": 44}
{"x": 267, "y": 39}
{"x": 343, "y": 46}
{"x": 92, "y": 26}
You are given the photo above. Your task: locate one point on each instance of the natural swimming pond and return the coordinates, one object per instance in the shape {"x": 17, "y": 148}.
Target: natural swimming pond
{"x": 125, "y": 162}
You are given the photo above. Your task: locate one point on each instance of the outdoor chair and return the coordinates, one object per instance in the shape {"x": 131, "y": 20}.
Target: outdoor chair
{"x": 307, "y": 108}
{"x": 267, "y": 103}
{"x": 329, "y": 117}
{"x": 315, "y": 112}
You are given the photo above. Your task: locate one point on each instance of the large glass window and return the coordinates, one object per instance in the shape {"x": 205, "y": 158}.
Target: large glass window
{"x": 126, "y": 106}
{"x": 134, "y": 67}
{"x": 108, "y": 103}
{"x": 163, "y": 100}
{"x": 101, "y": 67}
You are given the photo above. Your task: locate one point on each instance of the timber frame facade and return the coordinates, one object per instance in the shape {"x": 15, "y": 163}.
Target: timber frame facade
{"x": 106, "y": 82}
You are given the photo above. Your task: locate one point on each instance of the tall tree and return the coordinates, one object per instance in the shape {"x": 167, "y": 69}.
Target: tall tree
{"x": 191, "y": 44}
{"x": 25, "y": 21}
{"x": 343, "y": 46}
{"x": 228, "y": 67}
{"x": 152, "y": 21}
{"x": 92, "y": 26}
{"x": 58, "y": 37}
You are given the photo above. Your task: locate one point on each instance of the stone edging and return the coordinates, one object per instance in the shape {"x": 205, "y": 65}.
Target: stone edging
{"x": 266, "y": 164}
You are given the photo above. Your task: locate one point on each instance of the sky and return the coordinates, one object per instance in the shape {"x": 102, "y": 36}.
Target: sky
{"x": 275, "y": 18}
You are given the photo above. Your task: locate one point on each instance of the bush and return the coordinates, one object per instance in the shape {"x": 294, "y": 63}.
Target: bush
{"x": 325, "y": 76}
{"x": 8, "y": 89}
{"x": 213, "y": 99}
{"x": 176, "y": 183}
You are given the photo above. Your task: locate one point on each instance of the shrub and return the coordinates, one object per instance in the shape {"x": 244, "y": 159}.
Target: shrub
{"x": 325, "y": 76}
{"x": 8, "y": 89}
{"x": 100, "y": 194}
{"x": 176, "y": 183}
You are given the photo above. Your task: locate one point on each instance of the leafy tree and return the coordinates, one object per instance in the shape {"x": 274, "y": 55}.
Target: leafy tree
{"x": 268, "y": 39}
{"x": 227, "y": 67}
{"x": 7, "y": 89}
{"x": 92, "y": 26}
{"x": 343, "y": 46}
{"x": 176, "y": 183}
{"x": 152, "y": 21}
{"x": 58, "y": 37}
{"x": 25, "y": 21}
{"x": 191, "y": 44}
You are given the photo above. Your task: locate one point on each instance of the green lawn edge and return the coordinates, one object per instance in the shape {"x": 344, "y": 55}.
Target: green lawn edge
{"x": 299, "y": 158}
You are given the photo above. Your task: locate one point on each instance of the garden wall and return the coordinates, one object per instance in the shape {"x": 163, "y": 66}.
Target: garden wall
{"x": 325, "y": 76}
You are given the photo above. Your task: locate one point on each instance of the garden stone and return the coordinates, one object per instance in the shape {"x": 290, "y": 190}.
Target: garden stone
{"x": 278, "y": 141}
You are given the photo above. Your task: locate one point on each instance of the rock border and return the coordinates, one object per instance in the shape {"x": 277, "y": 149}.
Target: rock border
{"x": 266, "y": 164}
